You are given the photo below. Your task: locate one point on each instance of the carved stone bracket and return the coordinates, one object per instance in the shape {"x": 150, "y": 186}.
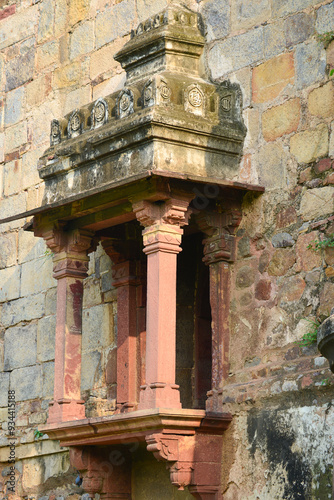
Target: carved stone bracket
{"x": 220, "y": 229}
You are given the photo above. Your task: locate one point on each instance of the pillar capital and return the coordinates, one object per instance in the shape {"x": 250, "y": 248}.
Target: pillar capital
{"x": 219, "y": 245}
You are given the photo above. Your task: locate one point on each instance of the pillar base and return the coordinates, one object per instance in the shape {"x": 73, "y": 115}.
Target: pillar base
{"x": 65, "y": 410}
{"x": 159, "y": 395}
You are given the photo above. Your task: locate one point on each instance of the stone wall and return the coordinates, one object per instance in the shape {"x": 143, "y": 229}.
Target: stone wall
{"x": 55, "y": 56}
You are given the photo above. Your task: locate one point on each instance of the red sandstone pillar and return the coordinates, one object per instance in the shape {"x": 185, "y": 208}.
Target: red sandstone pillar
{"x": 70, "y": 268}
{"x": 219, "y": 250}
{"x": 162, "y": 237}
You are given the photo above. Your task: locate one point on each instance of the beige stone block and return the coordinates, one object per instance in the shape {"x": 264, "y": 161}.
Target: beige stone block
{"x": 61, "y": 14}
{"x": 109, "y": 86}
{"x": 311, "y": 144}
{"x": 271, "y": 161}
{"x": 78, "y": 10}
{"x": 97, "y": 327}
{"x": 32, "y": 475}
{"x": 331, "y": 141}
{"x": 15, "y": 136}
{"x": 38, "y": 90}
{"x": 271, "y": 77}
{"x": 46, "y": 20}
{"x": 282, "y": 260}
{"x": 252, "y": 122}
{"x": 147, "y": 8}
{"x": 244, "y": 78}
{"x": 24, "y": 309}
{"x": 102, "y": 60}
{"x": 30, "y": 270}
{"x": 281, "y": 120}
{"x": 77, "y": 98}
{"x": 82, "y": 40}
{"x": 92, "y": 293}
{"x": 12, "y": 177}
{"x": 10, "y": 283}
{"x": 29, "y": 170}
{"x": 12, "y": 205}
{"x": 71, "y": 74}
{"x": 8, "y": 254}
{"x": 2, "y": 149}
{"x": 30, "y": 450}
{"x": 35, "y": 196}
{"x": 40, "y": 121}
{"x": 30, "y": 247}
{"x": 321, "y": 101}
{"x": 18, "y": 27}
{"x": 317, "y": 203}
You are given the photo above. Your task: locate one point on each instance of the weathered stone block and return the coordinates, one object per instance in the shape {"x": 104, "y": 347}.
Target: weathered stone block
{"x": 10, "y": 283}
{"x": 252, "y": 122}
{"x": 29, "y": 171}
{"x": 71, "y": 74}
{"x": 325, "y": 18}
{"x": 282, "y": 8}
{"x": 307, "y": 259}
{"x": 20, "y": 346}
{"x": 281, "y": 120}
{"x": 20, "y": 69}
{"x": 8, "y": 252}
{"x": 317, "y": 203}
{"x": 25, "y": 309}
{"x": 263, "y": 290}
{"x": 14, "y": 106}
{"x": 286, "y": 217}
{"x": 2, "y": 144}
{"x": 60, "y": 17}
{"x": 38, "y": 90}
{"x": 310, "y": 62}
{"x": 331, "y": 140}
{"x": 247, "y": 13}
{"x": 147, "y": 8}
{"x": 326, "y": 300}
{"x": 298, "y": 28}
{"x": 30, "y": 270}
{"x": 292, "y": 289}
{"x": 321, "y": 101}
{"x": 114, "y": 22}
{"x": 271, "y": 162}
{"x": 47, "y": 54}
{"x": 271, "y": 77}
{"x": 97, "y": 327}
{"x": 48, "y": 370}
{"x": 77, "y": 98}
{"x": 92, "y": 371}
{"x": 18, "y": 27}
{"x": 236, "y": 52}
{"x": 46, "y": 20}
{"x": 311, "y": 144}
{"x": 4, "y": 384}
{"x": 245, "y": 277}
{"x": 282, "y": 240}
{"x": 282, "y": 260}
{"x": 12, "y": 177}
{"x": 15, "y": 136}
{"x": 92, "y": 293}
{"x": 46, "y": 332}
{"x": 82, "y": 40}
{"x": 30, "y": 248}
{"x": 274, "y": 39}
{"x": 78, "y": 10}
{"x": 102, "y": 60}
{"x": 26, "y": 382}
{"x": 216, "y": 16}
{"x": 51, "y": 301}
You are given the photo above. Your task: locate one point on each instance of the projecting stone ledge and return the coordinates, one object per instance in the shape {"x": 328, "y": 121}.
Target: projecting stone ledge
{"x": 188, "y": 441}
{"x": 168, "y": 117}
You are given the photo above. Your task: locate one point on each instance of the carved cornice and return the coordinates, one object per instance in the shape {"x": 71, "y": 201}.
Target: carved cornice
{"x": 220, "y": 229}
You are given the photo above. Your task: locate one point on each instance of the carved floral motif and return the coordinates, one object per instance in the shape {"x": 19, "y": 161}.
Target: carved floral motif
{"x": 55, "y": 136}
{"x": 99, "y": 114}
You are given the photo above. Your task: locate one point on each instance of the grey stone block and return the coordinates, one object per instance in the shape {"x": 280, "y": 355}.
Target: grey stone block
{"x": 310, "y": 61}
{"x": 51, "y": 301}
{"x": 10, "y": 283}
{"x": 20, "y": 70}
{"x": 97, "y": 327}
{"x": 46, "y": 332}
{"x": 8, "y": 250}
{"x": 48, "y": 370}
{"x": 216, "y": 16}
{"x": 27, "y": 382}
{"x": 25, "y": 309}
{"x": 298, "y": 28}
{"x": 325, "y": 18}
{"x": 14, "y": 106}
{"x": 4, "y": 384}
{"x": 20, "y": 346}
{"x": 274, "y": 39}
{"x": 282, "y": 8}
{"x": 46, "y": 20}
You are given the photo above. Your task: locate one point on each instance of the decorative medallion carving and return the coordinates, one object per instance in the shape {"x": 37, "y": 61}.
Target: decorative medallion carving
{"x": 124, "y": 103}
{"x": 164, "y": 92}
{"x": 194, "y": 99}
{"x": 148, "y": 94}
{"x": 55, "y": 135}
{"x": 99, "y": 114}
{"x": 226, "y": 103}
{"x": 75, "y": 124}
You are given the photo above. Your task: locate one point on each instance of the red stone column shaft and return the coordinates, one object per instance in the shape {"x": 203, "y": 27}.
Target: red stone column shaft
{"x": 162, "y": 238}
{"x": 70, "y": 268}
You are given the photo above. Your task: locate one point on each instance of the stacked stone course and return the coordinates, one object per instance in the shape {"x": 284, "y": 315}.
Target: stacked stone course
{"x": 58, "y": 56}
